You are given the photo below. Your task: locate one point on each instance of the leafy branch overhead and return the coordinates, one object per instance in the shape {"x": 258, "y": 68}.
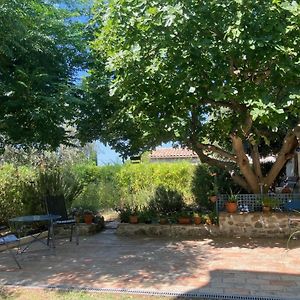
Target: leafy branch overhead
{"x": 221, "y": 77}
{"x": 41, "y": 50}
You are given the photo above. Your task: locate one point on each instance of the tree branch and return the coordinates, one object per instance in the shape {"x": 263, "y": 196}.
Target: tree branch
{"x": 232, "y": 104}
{"x": 244, "y": 164}
{"x": 240, "y": 181}
{"x": 225, "y": 165}
{"x": 286, "y": 152}
{"x": 256, "y": 160}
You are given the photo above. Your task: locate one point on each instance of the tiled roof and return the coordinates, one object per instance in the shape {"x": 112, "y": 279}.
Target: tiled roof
{"x": 173, "y": 153}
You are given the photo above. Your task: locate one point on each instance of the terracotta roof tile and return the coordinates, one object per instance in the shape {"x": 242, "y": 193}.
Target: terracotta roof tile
{"x": 173, "y": 153}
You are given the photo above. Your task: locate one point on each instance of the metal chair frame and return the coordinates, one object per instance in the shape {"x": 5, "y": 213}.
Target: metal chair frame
{"x": 56, "y": 205}
{"x": 7, "y": 240}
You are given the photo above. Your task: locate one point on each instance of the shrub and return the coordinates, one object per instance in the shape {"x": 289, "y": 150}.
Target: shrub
{"x": 207, "y": 180}
{"x": 126, "y": 211}
{"x": 89, "y": 199}
{"x": 166, "y": 201}
{"x": 56, "y": 181}
{"x": 15, "y": 198}
{"x": 202, "y": 185}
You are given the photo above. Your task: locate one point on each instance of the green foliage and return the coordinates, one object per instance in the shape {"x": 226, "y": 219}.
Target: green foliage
{"x": 208, "y": 181}
{"x": 89, "y": 199}
{"x": 41, "y": 50}
{"x": 232, "y": 198}
{"x": 166, "y": 201}
{"x": 167, "y": 71}
{"x": 202, "y": 185}
{"x": 146, "y": 215}
{"x": 15, "y": 197}
{"x": 270, "y": 202}
{"x": 126, "y": 211}
{"x": 56, "y": 181}
{"x": 143, "y": 179}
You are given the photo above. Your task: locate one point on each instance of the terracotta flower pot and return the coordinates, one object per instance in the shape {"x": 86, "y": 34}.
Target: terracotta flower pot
{"x": 231, "y": 207}
{"x": 184, "y": 220}
{"x": 197, "y": 220}
{"x": 88, "y": 218}
{"x": 133, "y": 219}
{"x": 163, "y": 221}
{"x": 266, "y": 209}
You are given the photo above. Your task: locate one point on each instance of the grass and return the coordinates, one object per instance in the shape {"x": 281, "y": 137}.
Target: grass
{"x": 8, "y": 293}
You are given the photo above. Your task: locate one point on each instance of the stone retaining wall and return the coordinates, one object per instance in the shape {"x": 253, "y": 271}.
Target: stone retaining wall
{"x": 173, "y": 230}
{"x": 83, "y": 229}
{"x": 256, "y": 224}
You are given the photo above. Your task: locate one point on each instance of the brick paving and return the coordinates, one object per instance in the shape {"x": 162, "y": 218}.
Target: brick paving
{"x": 245, "y": 267}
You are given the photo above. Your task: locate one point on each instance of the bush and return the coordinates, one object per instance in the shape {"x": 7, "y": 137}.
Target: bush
{"x": 56, "y": 181}
{"x": 89, "y": 199}
{"x": 15, "y": 196}
{"x": 166, "y": 201}
{"x": 207, "y": 180}
{"x": 202, "y": 185}
{"x": 138, "y": 182}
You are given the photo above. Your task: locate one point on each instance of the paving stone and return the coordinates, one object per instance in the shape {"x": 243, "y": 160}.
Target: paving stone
{"x": 216, "y": 265}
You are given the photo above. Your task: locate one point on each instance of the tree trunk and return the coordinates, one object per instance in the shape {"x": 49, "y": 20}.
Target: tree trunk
{"x": 286, "y": 152}
{"x": 244, "y": 164}
{"x": 252, "y": 175}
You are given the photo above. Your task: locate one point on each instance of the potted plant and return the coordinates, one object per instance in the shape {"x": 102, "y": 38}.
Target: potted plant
{"x": 231, "y": 203}
{"x": 197, "y": 218}
{"x": 163, "y": 220}
{"x": 269, "y": 203}
{"x": 88, "y": 216}
{"x": 133, "y": 218}
{"x": 184, "y": 217}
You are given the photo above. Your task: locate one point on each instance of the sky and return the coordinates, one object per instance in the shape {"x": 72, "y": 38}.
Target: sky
{"x": 105, "y": 155}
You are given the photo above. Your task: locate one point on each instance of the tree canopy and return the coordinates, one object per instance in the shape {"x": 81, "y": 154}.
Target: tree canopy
{"x": 221, "y": 77}
{"x": 41, "y": 49}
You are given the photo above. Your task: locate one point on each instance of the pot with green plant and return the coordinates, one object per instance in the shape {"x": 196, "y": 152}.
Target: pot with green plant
{"x": 197, "y": 218}
{"x": 231, "y": 203}
{"x": 163, "y": 219}
{"x": 133, "y": 218}
{"x": 184, "y": 217}
{"x": 88, "y": 216}
{"x": 269, "y": 203}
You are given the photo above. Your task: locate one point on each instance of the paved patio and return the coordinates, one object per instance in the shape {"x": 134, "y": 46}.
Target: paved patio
{"x": 241, "y": 267}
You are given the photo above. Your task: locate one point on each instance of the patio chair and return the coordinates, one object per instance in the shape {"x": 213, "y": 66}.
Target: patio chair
{"x": 9, "y": 240}
{"x": 56, "y": 206}
{"x": 293, "y": 207}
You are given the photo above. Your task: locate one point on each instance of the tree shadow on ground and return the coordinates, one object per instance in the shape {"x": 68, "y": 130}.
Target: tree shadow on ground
{"x": 106, "y": 260}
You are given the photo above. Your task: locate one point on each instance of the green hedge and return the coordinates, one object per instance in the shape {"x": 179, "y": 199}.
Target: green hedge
{"x": 132, "y": 184}
{"x": 107, "y": 186}
{"x": 16, "y": 197}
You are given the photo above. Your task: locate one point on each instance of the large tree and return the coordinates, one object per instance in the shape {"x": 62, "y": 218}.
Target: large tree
{"x": 41, "y": 49}
{"x": 221, "y": 77}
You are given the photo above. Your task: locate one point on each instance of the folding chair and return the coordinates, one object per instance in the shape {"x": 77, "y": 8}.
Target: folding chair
{"x": 293, "y": 207}
{"x": 8, "y": 240}
{"x": 56, "y": 205}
